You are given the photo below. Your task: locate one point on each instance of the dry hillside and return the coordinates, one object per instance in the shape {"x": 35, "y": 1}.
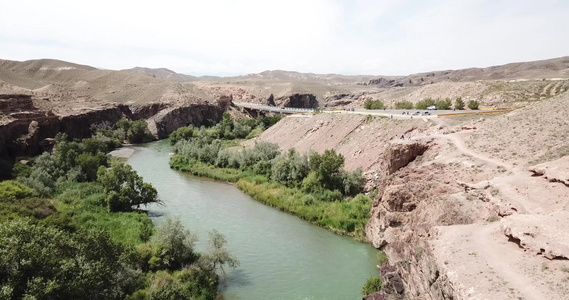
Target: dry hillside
{"x": 480, "y": 214}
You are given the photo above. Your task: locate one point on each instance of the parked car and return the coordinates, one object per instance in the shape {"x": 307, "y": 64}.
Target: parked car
{"x": 432, "y": 107}
{"x": 417, "y": 113}
{"x": 425, "y": 113}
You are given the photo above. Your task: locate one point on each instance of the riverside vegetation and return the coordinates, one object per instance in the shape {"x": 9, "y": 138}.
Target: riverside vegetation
{"x": 313, "y": 186}
{"x": 71, "y": 228}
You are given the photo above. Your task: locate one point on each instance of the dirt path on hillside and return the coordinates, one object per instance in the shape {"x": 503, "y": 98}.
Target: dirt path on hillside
{"x": 499, "y": 256}
{"x": 459, "y": 144}
{"x": 481, "y": 258}
{"x": 485, "y": 265}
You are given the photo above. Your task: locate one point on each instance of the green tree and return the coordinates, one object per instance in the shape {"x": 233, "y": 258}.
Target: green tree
{"x": 218, "y": 255}
{"x": 124, "y": 187}
{"x": 353, "y": 182}
{"x": 175, "y": 246}
{"x": 327, "y": 167}
{"x": 473, "y": 104}
{"x": 40, "y": 262}
{"x": 290, "y": 169}
{"x": 139, "y": 133}
{"x": 459, "y": 103}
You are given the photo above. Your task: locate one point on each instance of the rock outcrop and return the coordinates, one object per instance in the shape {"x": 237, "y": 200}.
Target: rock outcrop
{"x": 554, "y": 171}
{"x": 540, "y": 234}
{"x": 27, "y": 131}
{"x": 170, "y": 119}
{"x": 299, "y": 101}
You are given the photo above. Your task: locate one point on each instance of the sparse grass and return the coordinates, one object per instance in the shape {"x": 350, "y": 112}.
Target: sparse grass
{"x": 495, "y": 192}
{"x": 492, "y": 219}
{"x": 551, "y": 154}
{"x": 381, "y": 257}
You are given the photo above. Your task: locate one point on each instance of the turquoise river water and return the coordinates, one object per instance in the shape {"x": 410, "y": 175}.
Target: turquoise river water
{"x": 281, "y": 256}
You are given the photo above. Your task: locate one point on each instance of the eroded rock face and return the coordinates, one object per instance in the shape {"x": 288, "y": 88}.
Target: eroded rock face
{"x": 15, "y": 102}
{"x": 540, "y": 234}
{"x": 271, "y": 100}
{"x": 554, "y": 171}
{"x": 170, "y": 119}
{"x": 29, "y": 131}
{"x": 412, "y": 199}
{"x": 400, "y": 154}
{"x": 300, "y": 101}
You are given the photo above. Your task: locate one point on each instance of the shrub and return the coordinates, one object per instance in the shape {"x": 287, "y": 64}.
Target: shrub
{"x": 473, "y": 104}
{"x": 443, "y": 104}
{"x": 372, "y": 285}
{"x": 327, "y": 166}
{"x": 423, "y": 104}
{"x": 404, "y": 105}
{"x": 373, "y": 104}
{"x": 241, "y": 130}
{"x": 182, "y": 133}
{"x": 353, "y": 182}
{"x": 459, "y": 103}
{"x": 11, "y": 190}
{"x": 291, "y": 169}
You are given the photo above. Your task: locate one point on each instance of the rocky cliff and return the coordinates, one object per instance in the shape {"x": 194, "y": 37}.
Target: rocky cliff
{"x": 26, "y": 130}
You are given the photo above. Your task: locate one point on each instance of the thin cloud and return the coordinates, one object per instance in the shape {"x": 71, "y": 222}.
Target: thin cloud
{"x": 228, "y": 37}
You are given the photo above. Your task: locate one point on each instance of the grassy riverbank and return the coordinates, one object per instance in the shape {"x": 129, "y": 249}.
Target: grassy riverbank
{"x": 345, "y": 215}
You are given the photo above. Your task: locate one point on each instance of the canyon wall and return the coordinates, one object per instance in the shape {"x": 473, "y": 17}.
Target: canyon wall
{"x": 27, "y": 131}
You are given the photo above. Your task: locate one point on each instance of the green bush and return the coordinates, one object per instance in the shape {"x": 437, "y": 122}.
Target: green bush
{"x": 423, "y": 104}
{"x": 372, "y": 285}
{"x": 459, "y": 103}
{"x": 404, "y": 105}
{"x": 473, "y": 104}
{"x": 373, "y": 104}
{"x": 182, "y": 133}
{"x": 11, "y": 190}
{"x": 443, "y": 104}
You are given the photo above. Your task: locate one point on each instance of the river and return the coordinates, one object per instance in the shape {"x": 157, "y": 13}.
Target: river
{"x": 281, "y": 256}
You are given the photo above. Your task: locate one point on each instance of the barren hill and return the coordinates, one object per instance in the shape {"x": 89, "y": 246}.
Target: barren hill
{"x": 550, "y": 68}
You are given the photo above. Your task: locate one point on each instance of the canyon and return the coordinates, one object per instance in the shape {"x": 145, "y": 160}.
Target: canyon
{"x": 467, "y": 207}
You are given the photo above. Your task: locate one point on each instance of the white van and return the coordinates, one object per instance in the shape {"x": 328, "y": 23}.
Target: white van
{"x": 432, "y": 107}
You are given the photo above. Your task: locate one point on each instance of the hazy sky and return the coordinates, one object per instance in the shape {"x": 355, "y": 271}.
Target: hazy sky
{"x": 229, "y": 37}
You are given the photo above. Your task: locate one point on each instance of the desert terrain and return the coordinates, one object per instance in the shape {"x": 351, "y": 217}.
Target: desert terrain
{"x": 467, "y": 207}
